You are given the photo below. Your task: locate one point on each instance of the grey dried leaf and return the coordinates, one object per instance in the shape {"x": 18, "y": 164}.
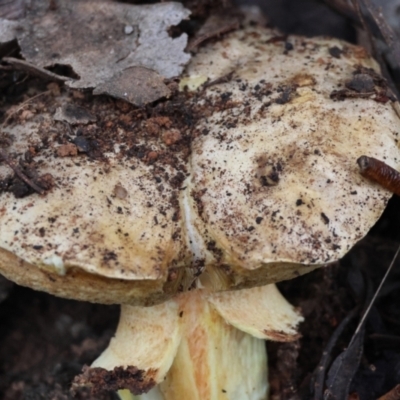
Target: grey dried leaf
{"x": 318, "y": 377}
{"x": 137, "y": 85}
{"x": 12, "y": 9}
{"x": 391, "y": 9}
{"x": 7, "y": 30}
{"x": 99, "y": 40}
{"x": 343, "y": 369}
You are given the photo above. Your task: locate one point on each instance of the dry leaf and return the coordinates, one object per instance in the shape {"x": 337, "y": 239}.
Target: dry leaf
{"x": 100, "y": 41}
{"x": 137, "y": 85}
{"x": 13, "y": 9}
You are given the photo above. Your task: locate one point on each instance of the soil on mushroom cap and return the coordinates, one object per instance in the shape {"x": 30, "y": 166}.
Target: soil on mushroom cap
{"x": 159, "y": 136}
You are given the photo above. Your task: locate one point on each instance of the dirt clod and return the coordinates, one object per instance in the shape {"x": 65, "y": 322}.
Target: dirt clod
{"x": 171, "y": 137}
{"x": 67, "y": 150}
{"x": 101, "y": 380}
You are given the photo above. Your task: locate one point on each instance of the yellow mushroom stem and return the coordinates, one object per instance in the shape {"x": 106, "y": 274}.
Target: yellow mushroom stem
{"x": 201, "y": 345}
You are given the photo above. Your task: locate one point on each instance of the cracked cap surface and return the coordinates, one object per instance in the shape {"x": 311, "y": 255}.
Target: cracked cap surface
{"x": 248, "y": 181}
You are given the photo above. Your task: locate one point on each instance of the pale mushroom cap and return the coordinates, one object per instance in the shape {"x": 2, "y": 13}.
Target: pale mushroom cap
{"x": 84, "y": 223}
{"x": 110, "y": 219}
{"x": 274, "y": 174}
{"x": 271, "y": 188}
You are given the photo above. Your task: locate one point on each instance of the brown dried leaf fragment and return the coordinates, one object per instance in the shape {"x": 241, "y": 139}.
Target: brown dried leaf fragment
{"x": 46, "y": 181}
{"x": 120, "y": 192}
{"x": 101, "y": 380}
{"x": 365, "y": 83}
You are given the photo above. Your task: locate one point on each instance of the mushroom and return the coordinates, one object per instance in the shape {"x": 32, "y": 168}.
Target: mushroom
{"x": 260, "y": 185}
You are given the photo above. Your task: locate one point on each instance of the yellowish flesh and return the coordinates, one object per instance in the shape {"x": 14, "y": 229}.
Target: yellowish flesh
{"x": 148, "y": 335}
{"x": 125, "y": 394}
{"x": 204, "y": 346}
{"x": 261, "y": 312}
{"x": 214, "y": 358}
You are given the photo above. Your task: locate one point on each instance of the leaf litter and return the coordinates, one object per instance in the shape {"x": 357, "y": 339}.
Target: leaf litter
{"x": 344, "y": 368}
{"x": 117, "y": 49}
{"x": 104, "y": 44}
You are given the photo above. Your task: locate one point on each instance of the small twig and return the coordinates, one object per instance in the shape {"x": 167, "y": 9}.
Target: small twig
{"x": 355, "y": 345}
{"x": 386, "y": 31}
{"x": 364, "y": 317}
{"x": 366, "y": 27}
{"x": 6, "y": 68}
{"x": 34, "y": 70}
{"x": 223, "y": 79}
{"x": 22, "y": 105}
{"x": 215, "y": 26}
{"x": 12, "y": 164}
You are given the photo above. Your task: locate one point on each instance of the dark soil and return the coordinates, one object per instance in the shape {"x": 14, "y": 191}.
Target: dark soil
{"x": 45, "y": 341}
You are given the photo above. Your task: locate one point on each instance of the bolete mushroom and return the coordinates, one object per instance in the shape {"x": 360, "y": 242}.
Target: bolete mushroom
{"x": 246, "y": 178}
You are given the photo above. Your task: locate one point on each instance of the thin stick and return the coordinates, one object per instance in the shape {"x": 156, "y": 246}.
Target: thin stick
{"x": 385, "y": 29}
{"x": 361, "y": 323}
{"x": 22, "y": 105}
{"x": 34, "y": 70}
{"x": 19, "y": 173}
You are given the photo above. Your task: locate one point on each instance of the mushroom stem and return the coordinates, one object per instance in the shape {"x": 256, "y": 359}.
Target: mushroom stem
{"x": 214, "y": 358}
{"x": 192, "y": 348}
